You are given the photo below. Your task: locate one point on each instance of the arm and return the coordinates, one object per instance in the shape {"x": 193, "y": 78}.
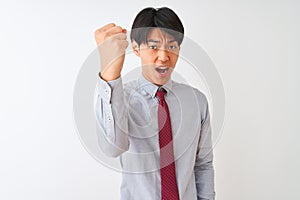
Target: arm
{"x": 112, "y": 127}
{"x": 111, "y": 115}
{"x": 204, "y": 171}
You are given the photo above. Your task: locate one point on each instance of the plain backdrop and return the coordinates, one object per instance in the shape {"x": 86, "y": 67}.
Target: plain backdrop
{"x": 254, "y": 44}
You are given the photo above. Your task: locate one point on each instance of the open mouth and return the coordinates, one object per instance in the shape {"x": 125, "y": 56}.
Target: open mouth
{"x": 162, "y": 70}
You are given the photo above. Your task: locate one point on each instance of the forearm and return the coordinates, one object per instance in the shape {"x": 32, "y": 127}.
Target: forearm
{"x": 204, "y": 175}
{"x": 203, "y": 169}
{"x": 112, "y": 125}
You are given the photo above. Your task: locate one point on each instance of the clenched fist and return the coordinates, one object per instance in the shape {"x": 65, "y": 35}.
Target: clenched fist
{"x": 112, "y": 43}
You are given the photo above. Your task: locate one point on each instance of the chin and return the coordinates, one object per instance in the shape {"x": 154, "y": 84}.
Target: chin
{"x": 161, "y": 82}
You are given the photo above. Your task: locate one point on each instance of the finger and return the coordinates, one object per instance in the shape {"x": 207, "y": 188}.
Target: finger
{"x": 114, "y": 30}
{"x": 106, "y": 27}
{"x": 120, "y": 36}
{"x": 123, "y": 44}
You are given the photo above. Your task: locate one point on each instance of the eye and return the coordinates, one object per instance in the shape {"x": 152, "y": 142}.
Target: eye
{"x": 152, "y": 47}
{"x": 172, "y": 47}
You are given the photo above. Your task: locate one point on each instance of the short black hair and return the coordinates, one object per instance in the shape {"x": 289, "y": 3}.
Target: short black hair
{"x": 163, "y": 18}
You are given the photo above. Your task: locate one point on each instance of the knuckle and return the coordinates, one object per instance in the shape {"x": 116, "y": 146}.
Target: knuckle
{"x": 105, "y": 34}
{"x": 119, "y": 28}
{"x": 112, "y": 24}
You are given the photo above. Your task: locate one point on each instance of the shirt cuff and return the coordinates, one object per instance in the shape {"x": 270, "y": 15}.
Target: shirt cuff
{"x": 104, "y": 88}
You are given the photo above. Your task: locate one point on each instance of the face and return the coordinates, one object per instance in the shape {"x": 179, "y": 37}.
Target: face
{"x": 158, "y": 56}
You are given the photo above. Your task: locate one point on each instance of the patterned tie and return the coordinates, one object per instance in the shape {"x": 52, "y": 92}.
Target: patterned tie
{"x": 169, "y": 189}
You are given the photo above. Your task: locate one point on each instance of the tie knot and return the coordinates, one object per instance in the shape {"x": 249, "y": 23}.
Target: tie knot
{"x": 160, "y": 93}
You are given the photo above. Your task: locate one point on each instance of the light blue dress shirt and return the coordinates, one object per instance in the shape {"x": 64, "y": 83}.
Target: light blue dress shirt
{"x": 128, "y": 129}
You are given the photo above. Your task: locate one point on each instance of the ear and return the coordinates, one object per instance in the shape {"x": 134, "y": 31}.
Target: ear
{"x": 135, "y": 48}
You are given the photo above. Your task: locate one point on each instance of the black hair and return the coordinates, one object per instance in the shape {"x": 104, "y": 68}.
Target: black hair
{"x": 163, "y": 18}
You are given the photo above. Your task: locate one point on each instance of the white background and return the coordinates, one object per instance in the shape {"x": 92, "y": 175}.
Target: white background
{"x": 254, "y": 44}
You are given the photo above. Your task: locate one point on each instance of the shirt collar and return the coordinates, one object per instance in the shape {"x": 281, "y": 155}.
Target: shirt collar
{"x": 151, "y": 88}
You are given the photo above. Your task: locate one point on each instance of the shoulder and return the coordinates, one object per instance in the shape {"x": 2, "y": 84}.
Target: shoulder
{"x": 192, "y": 93}
{"x": 185, "y": 88}
{"x": 131, "y": 87}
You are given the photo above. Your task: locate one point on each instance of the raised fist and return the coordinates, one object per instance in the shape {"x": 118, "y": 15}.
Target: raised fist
{"x": 112, "y": 43}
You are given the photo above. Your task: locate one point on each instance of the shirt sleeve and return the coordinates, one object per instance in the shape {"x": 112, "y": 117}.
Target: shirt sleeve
{"x": 111, "y": 117}
{"x": 204, "y": 170}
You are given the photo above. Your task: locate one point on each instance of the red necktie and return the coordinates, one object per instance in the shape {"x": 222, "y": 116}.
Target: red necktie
{"x": 169, "y": 189}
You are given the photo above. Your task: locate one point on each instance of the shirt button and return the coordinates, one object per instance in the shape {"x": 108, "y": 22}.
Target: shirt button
{"x": 109, "y": 119}
{"x": 106, "y": 91}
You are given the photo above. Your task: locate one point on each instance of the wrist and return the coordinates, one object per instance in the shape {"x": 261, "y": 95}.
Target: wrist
{"x": 108, "y": 77}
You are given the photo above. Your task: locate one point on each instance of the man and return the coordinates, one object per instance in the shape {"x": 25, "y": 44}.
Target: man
{"x": 160, "y": 129}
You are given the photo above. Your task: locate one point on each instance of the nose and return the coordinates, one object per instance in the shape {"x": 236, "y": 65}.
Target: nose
{"x": 163, "y": 55}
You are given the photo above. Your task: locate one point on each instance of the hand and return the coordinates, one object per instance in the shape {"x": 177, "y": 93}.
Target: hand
{"x": 112, "y": 43}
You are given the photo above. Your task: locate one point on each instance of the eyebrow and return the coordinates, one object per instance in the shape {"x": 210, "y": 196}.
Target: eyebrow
{"x": 157, "y": 41}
